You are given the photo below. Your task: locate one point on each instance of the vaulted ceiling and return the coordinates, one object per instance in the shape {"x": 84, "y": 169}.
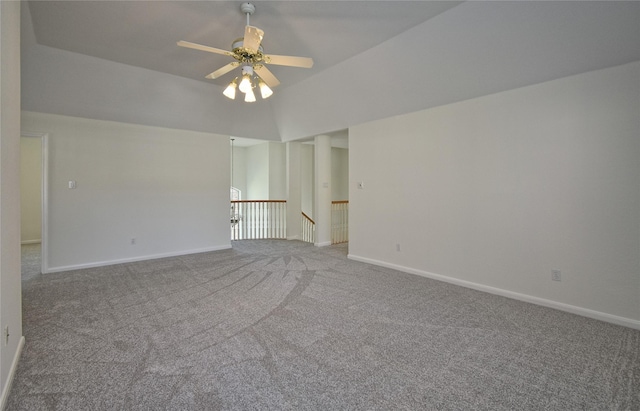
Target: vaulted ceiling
{"x": 118, "y": 60}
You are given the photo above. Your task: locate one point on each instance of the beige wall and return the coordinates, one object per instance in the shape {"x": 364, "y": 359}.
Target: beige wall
{"x": 30, "y": 189}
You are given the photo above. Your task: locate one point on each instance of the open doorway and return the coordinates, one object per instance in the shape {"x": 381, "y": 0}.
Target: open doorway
{"x": 33, "y": 200}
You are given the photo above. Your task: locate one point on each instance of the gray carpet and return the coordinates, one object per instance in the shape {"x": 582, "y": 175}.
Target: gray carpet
{"x": 31, "y": 262}
{"x": 284, "y": 325}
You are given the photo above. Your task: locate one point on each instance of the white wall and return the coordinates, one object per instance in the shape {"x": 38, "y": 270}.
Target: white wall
{"x": 277, "y": 171}
{"x": 10, "y": 287}
{"x": 30, "y": 189}
{"x": 474, "y": 49}
{"x": 240, "y": 169}
{"x": 258, "y": 172}
{"x": 339, "y": 174}
{"x": 61, "y": 82}
{"x": 266, "y": 171}
{"x": 499, "y": 190}
{"x": 307, "y": 181}
{"x": 168, "y": 189}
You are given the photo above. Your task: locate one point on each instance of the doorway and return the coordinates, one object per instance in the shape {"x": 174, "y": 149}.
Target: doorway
{"x": 33, "y": 203}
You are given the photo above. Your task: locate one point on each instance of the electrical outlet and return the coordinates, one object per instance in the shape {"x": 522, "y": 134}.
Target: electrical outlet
{"x": 6, "y": 335}
{"x": 398, "y": 247}
{"x": 556, "y": 275}
{"x": 133, "y": 241}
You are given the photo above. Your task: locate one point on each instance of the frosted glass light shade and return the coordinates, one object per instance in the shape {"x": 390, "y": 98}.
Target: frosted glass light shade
{"x": 230, "y": 91}
{"x": 245, "y": 84}
{"x": 265, "y": 91}
{"x": 249, "y": 97}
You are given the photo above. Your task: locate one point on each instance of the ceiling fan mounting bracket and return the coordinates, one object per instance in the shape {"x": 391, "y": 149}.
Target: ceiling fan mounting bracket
{"x": 247, "y": 8}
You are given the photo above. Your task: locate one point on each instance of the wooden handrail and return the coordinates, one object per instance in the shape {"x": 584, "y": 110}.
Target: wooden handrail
{"x": 258, "y": 201}
{"x": 308, "y": 218}
{"x": 340, "y": 202}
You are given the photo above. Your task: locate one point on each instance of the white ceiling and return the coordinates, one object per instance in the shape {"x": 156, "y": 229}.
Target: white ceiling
{"x": 144, "y": 33}
{"x": 373, "y": 59}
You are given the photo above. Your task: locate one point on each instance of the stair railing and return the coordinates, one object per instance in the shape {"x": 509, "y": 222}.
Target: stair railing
{"x": 308, "y": 229}
{"x": 258, "y": 219}
{"x": 339, "y": 222}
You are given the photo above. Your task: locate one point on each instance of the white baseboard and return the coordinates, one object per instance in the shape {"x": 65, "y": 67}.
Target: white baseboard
{"x": 323, "y": 244}
{"x": 30, "y": 242}
{"x": 134, "y": 259}
{"x": 585, "y": 312}
{"x": 295, "y": 237}
{"x": 12, "y": 373}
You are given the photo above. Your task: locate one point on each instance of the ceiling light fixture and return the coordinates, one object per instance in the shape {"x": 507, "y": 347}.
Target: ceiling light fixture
{"x": 265, "y": 91}
{"x": 249, "y": 96}
{"x": 247, "y": 84}
{"x": 248, "y": 53}
{"x": 230, "y": 91}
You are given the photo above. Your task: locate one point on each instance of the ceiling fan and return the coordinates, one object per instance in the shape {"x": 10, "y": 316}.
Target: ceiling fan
{"x": 249, "y": 54}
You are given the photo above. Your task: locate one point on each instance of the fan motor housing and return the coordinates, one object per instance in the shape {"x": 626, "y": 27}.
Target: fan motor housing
{"x": 238, "y": 49}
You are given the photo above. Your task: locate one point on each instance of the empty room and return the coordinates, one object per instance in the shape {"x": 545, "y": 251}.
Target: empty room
{"x": 290, "y": 205}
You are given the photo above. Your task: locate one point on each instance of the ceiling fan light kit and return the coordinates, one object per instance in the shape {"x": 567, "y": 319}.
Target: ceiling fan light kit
{"x": 249, "y": 96}
{"x": 230, "y": 91}
{"x": 265, "y": 91}
{"x": 245, "y": 83}
{"x": 248, "y": 53}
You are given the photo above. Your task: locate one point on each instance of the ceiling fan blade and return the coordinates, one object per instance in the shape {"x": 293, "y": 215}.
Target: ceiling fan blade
{"x": 266, "y": 75}
{"x": 303, "y": 62}
{"x": 195, "y": 46}
{"x": 252, "y": 38}
{"x": 223, "y": 70}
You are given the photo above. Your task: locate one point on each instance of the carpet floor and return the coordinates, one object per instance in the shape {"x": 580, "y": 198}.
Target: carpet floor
{"x": 284, "y": 325}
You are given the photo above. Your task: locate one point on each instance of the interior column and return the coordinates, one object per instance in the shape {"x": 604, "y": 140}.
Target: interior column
{"x": 294, "y": 191}
{"x": 322, "y": 210}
